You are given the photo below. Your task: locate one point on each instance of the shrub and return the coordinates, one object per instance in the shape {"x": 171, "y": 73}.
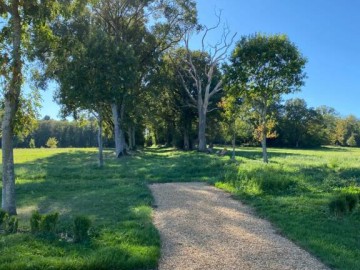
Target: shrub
{"x": 11, "y": 225}
{"x": 3, "y": 218}
{"x": 52, "y": 142}
{"x": 81, "y": 228}
{"x": 338, "y": 206}
{"x": 48, "y": 223}
{"x": 352, "y": 201}
{"x": 35, "y": 220}
{"x": 32, "y": 143}
{"x": 351, "y": 141}
{"x": 343, "y": 204}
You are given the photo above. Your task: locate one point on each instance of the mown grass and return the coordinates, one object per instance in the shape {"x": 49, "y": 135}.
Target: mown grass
{"x": 293, "y": 191}
{"x": 115, "y": 198}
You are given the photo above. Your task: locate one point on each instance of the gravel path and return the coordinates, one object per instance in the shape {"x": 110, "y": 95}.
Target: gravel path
{"x": 201, "y": 227}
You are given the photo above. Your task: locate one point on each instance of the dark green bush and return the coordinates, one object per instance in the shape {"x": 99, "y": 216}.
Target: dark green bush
{"x": 343, "y": 204}
{"x": 81, "y": 228}
{"x": 338, "y": 206}
{"x": 11, "y": 225}
{"x": 48, "y": 223}
{"x": 35, "y": 220}
{"x": 3, "y": 217}
{"x": 352, "y": 201}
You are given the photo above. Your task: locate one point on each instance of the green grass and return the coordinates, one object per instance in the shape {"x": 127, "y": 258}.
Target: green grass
{"x": 115, "y": 198}
{"x": 293, "y": 192}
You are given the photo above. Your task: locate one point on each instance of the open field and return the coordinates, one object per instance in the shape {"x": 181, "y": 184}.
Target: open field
{"x": 292, "y": 191}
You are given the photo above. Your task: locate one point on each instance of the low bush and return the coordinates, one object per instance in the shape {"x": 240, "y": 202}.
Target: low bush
{"x": 35, "y": 221}
{"x": 343, "y": 204}
{"x": 11, "y": 224}
{"x": 3, "y": 217}
{"x": 48, "y": 223}
{"x": 81, "y": 228}
{"x": 352, "y": 201}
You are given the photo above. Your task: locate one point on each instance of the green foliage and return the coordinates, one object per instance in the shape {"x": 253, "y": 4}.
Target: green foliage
{"x": 35, "y": 221}
{"x": 52, "y": 142}
{"x": 3, "y": 218}
{"x": 48, "y": 223}
{"x": 338, "y": 206}
{"x": 352, "y": 201}
{"x": 81, "y": 228}
{"x": 351, "y": 141}
{"x": 11, "y": 225}
{"x": 32, "y": 143}
{"x": 262, "y": 69}
{"x": 8, "y": 223}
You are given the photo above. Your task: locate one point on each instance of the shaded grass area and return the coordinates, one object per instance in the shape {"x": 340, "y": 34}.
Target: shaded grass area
{"x": 294, "y": 191}
{"x": 116, "y": 199}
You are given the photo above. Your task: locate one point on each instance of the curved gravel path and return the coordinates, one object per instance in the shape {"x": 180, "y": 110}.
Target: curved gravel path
{"x": 201, "y": 227}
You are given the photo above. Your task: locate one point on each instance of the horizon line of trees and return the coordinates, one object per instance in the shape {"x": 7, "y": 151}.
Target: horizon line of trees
{"x": 296, "y": 126}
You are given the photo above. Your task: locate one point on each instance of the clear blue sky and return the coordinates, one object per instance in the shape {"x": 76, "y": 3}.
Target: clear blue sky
{"x": 326, "y": 32}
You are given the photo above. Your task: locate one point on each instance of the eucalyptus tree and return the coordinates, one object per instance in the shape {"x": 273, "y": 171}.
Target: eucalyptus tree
{"x": 21, "y": 21}
{"x": 263, "y": 68}
{"x": 148, "y": 28}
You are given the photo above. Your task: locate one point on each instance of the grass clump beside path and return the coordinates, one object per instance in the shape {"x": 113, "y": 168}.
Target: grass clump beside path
{"x": 294, "y": 191}
{"x": 297, "y": 191}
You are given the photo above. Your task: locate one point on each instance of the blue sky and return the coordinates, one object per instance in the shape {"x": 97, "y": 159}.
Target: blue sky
{"x": 326, "y": 32}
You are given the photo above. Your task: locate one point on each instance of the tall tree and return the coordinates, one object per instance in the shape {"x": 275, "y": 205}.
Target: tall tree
{"x": 149, "y": 28}
{"x": 20, "y": 20}
{"x": 205, "y": 73}
{"x": 262, "y": 69}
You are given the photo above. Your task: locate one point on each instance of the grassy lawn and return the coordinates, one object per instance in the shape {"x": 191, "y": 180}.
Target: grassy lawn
{"x": 116, "y": 199}
{"x": 292, "y": 191}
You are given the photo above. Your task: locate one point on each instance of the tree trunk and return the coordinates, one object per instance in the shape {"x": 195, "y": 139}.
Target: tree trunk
{"x": 130, "y": 138}
{"x": 186, "y": 140}
{"x": 118, "y": 132}
{"x": 133, "y": 137}
{"x": 100, "y": 143}
{"x": 202, "y": 129}
{"x": 263, "y": 145}
{"x": 11, "y": 100}
{"x": 233, "y": 146}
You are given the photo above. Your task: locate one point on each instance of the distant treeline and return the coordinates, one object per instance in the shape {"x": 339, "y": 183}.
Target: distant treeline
{"x": 295, "y": 125}
{"x": 67, "y": 133}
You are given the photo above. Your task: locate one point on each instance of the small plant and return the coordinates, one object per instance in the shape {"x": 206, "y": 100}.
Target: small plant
{"x": 343, "y": 204}
{"x": 35, "y": 222}
{"x": 32, "y": 143}
{"x": 81, "y": 228}
{"x": 11, "y": 225}
{"x": 48, "y": 223}
{"x": 338, "y": 206}
{"x": 352, "y": 201}
{"x": 52, "y": 142}
{"x": 3, "y": 217}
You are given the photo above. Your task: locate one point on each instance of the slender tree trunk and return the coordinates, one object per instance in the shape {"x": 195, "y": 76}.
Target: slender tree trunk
{"x": 202, "y": 129}
{"x": 11, "y": 101}
{"x": 8, "y": 202}
{"x": 233, "y": 146}
{"x": 118, "y": 132}
{"x": 100, "y": 142}
{"x": 133, "y": 137}
{"x": 263, "y": 145}
{"x": 186, "y": 140}
{"x": 130, "y": 138}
